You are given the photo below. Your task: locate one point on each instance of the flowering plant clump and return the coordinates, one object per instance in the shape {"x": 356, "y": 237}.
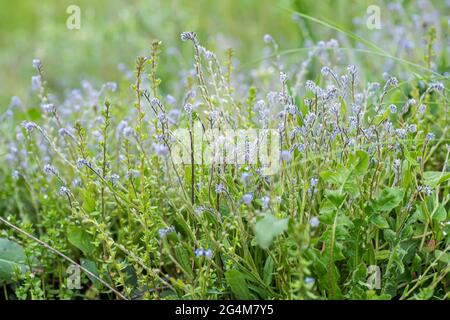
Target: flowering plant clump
{"x": 355, "y": 205}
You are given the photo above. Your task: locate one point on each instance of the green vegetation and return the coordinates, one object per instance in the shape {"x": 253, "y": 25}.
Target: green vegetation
{"x": 108, "y": 190}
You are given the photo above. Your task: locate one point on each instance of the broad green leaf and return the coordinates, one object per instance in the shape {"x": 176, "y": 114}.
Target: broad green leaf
{"x": 92, "y": 267}
{"x": 335, "y": 196}
{"x": 268, "y": 228}
{"x": 238, "y": 284}
{"x": 388, "y": 199}
{"x": 379, "y": 221}
{"x": 391, "y": 236}
{"x": 80, "y": 239}
{"x": 352, "y": 188}
{"x": 330, "y": 176}
{"x": 11, "y": 256}
{"x": 440, "y": 214}
{"x": 343, "y": 178}
{"x": 435, "y": 178}
{"x": 327, "y": 213}
{"x": 360, "y": 162}
{"x": 442, "y": 256}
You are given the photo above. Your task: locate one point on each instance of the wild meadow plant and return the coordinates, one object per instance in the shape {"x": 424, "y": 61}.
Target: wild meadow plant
{"x": 356, "y": 208}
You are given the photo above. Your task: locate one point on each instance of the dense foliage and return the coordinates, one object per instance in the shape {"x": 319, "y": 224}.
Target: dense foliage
{"x": 361, "y": 188}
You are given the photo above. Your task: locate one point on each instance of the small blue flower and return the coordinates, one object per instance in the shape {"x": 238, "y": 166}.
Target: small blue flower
{"x": 220, "y": 188}
{"x": 267, "y": 38}
{"x": 63, "y": 191}
{"x": 199, "y": 210}
{"x": 36, "y": 63}
{"x": 114, "y": 178}
{"x": 425, "y": 189}
{"x": 265, "y": 202}
{"x": 81, "y": 162}
{"x": 412, "y": 128}
{"x": 286, "y": 155}
{"x": 351, "y": 69}
{"x": 438, "y": 86}
{"x": 430, "y": 136}
{"x": 313, "y": 185}
{"x": 171, "y": 99}
{"x": 76, "y": 183}
{"x": 160, "y": 149}
{"x": 15, "y": 175}
{"x": 325, "y": 71}
{"x": 309, "y": 280}
{"x": 314, "y": 222}
{"x": 36, "y": 83}
{"x": 245, "y": 177}
{"x": 188, "y": 108}
{"x": 111, "y": 86}
{"x": 49, "y": 169}
{"x": 127, "y": 131}
{"x": 133, "y": 173}
{"x": 199, "y": 252}
{"x": 188, "y": 35}
{"x": 29, "y": 126}
{"x": 400, "y": 133}
{"x": 15, "y": 102}
{"x": 48, "y": 107}
{"x": 422, "y": 109}
{"x": 164, "y": 231}
{"x": 247, "y": 198}
{"x": 207, "y": 253}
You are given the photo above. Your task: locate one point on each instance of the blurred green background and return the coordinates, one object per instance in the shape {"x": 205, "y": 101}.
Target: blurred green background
{"x": 114, "y": 32}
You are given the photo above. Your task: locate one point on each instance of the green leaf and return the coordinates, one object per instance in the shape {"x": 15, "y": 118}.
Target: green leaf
{"x": 391, "y": 236}
{"x": 382, "y": 254}
{"x": 435, "y": 178}
{"x": 92, "y": 267}
{"x": 238, "y": 284}
{"x": 182, "y": 256}
{"x": 442, "y": 256}
{"x": 343, "y": 178}
{"x": 440, "y": 214}
{"x": 335, "y": 196}
{"x": 388, "y": 199}
{"x": 268, "y": 271}
{"x": 268, "y": 228}
{"x": 410, "y": 156}
{"x": 327, "y": 213}
{"x": 11, "y": 256}
{"x": 379, "y": 221}
{"x": 80, "y": 239}
{"x": 328, "y": 176}
{"x": 360, "y": 162}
